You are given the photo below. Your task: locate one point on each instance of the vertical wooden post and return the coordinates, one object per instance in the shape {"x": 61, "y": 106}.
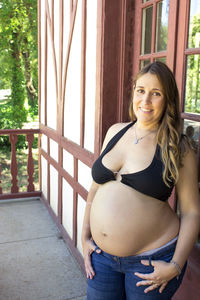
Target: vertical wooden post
{"x": 13, "y": 167}
{"x": 30, "y": 166}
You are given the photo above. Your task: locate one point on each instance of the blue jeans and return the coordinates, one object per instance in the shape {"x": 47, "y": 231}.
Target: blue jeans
{"x": 115, "y": 280}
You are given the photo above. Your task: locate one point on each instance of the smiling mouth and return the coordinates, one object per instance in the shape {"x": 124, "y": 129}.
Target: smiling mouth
{"x": 145, "y": 110}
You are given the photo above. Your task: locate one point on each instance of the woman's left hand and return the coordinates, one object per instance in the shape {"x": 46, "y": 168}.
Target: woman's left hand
{"x": 163, "y": 272}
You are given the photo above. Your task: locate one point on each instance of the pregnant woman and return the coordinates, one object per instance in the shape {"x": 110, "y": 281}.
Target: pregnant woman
{"x": 135, "y": 246}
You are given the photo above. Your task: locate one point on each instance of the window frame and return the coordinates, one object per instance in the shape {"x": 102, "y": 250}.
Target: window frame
{"x": 169, "y": 53}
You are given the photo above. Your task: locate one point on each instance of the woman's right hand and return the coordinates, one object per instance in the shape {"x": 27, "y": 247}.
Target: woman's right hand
{"x": 88, "y": 248}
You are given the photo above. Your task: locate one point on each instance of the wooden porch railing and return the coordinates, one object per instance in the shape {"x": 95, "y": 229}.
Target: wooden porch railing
{"x": 13, "y": 137}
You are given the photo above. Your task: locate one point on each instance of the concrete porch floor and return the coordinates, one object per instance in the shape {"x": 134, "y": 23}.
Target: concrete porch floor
{"x": 35, "y": 262}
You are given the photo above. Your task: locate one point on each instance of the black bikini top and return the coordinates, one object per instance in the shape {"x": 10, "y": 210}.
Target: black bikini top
{"x": 148, "y": 181}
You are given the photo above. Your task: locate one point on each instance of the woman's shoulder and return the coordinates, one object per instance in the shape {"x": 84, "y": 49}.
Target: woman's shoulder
{"x": 113, "y": 130}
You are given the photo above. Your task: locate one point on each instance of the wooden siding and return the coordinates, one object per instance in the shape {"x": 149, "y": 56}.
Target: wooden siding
{"x": 117, "y": 58}
{"x": 58, "y": 67}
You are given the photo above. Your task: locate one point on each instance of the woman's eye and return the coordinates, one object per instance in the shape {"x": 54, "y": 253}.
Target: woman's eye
{"x": 156, "y": 94}
{"x": 140, "y": 91}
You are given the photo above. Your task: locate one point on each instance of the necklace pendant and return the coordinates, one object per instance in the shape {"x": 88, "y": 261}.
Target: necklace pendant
{"x": 136, "y": 141}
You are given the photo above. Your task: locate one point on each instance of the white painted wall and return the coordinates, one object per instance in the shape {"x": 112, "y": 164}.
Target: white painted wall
{"x": 54, "y": 149}
{"x": 54, "y": 189}
{"x": 66, "y": 28}
{"x": 71, "y": 109}
{"x": 51, "y": 85}
{"x": 44, "y": 142}
{"x": 90, "y": 88}
{"x": 84, "y": 175}
{"x": 68, "y": 162}
{"x": 73, "y": 85}
{"x": 67, "y": 212}
{"x": 80, "y": 215}
{"x": 44, "y": 176}
{"x": 56, "y": 31}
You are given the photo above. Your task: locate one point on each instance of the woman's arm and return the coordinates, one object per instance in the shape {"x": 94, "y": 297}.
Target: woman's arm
{"x": 87, "y": 243}
{"x": 188, "y": 197}
{"x": 86, "y": 234}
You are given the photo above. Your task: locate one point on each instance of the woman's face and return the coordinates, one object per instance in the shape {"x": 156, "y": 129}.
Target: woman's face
{"x": 148, "y": 100}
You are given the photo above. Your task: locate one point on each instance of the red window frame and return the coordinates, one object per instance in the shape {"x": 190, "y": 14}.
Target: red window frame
{"x": 172, "y": 24}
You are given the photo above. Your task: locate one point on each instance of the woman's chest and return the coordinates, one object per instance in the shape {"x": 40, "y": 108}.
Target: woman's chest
{"x": 129, "y": 158}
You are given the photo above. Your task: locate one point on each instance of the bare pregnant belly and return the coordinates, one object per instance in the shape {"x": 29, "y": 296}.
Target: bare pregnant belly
{"x": 125, "y": 222}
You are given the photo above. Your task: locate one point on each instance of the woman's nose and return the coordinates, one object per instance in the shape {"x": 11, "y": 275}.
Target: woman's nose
{"x": 146, "y": 98}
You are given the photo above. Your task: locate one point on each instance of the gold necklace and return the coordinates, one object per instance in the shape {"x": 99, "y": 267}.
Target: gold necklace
{"x": 136, "y": 140}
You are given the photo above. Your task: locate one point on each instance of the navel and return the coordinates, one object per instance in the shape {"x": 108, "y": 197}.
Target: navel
{"x": 104, "y": 234}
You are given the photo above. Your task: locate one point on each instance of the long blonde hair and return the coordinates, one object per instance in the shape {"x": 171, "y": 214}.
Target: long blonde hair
{"x": 169, "y": 132}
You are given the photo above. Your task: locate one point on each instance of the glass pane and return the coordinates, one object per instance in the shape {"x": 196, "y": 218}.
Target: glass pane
{"x": 162, "y": 25}
{"x": 145, "y": 62}
{"x": 192, "y": 93}
{"x": 194, "y": 25}
{"x": 162, "y": 59}
{"x": 146, "y": 30}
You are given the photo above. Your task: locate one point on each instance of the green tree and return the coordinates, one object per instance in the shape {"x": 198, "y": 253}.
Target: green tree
{"x": 29, "y": 53}
{"x": 18, "y": 70}
{"x": 192, "y": 98}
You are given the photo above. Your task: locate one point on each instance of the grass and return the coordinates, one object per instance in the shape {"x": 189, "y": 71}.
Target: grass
{"x": 22, "y": 177}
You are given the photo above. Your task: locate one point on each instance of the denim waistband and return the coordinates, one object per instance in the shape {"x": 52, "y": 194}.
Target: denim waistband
{"x": 156, "y": 254}
{"x": 150, "y": 252}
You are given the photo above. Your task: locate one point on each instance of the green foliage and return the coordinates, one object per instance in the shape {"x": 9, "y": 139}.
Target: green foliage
{"x": 192, "y": 96}
{"x": 194, "y": 40}
{"x": 18, "y": 60}
{"x": 19, "y": 112}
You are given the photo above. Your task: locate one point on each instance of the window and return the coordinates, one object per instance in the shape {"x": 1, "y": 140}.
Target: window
{"x": 191, "y": 96}
{"x": 192, "y": 88}
{"x": 152, "y": 24}
{"x": 154, "y": 31}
